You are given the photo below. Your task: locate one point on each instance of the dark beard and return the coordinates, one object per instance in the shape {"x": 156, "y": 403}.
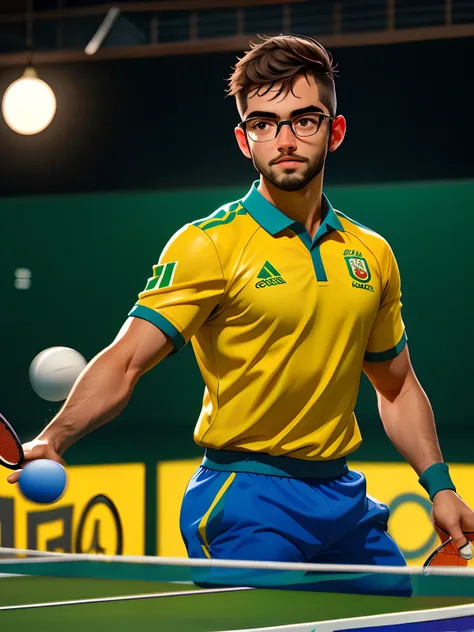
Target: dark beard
{"x": 291, "y": 181}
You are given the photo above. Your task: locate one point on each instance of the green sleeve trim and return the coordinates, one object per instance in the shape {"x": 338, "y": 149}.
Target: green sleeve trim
{"x": 382, "y": 356}
{"x": 155, "y": 318}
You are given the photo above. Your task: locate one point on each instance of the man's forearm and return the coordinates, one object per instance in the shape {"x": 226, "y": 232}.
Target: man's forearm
{"x": 410, "y": 425}
{"x": 100, "y": 394}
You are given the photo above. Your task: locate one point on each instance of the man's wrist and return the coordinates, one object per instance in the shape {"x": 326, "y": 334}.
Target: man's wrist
{"x": 436, "y": 478}
{"x": 51, "y": 439}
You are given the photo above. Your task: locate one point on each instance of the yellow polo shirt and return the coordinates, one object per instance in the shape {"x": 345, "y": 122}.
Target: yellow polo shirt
{"x": 280, "y": 324}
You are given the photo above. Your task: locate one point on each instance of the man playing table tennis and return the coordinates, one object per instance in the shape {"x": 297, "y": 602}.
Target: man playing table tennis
{"x": 285, "y": 301}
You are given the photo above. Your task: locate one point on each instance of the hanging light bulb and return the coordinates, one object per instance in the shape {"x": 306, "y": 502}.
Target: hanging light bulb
{"x": 29, "y": 104}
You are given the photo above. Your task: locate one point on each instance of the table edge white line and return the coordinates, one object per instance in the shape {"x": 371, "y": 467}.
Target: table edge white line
{"x": 371, "y": 621}
{"x": 77, "y": 602}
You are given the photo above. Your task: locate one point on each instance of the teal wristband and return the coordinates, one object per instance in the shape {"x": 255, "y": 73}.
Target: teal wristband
{"x": 436, "y": 478}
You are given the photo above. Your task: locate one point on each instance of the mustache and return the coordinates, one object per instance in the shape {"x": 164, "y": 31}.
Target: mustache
{"x": 291, "y": 156}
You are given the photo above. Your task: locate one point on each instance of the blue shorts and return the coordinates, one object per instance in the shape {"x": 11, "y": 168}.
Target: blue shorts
{"x": 249, "y": 516}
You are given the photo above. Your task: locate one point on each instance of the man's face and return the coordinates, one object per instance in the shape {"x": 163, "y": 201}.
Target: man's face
{"x": 289, "y": 162}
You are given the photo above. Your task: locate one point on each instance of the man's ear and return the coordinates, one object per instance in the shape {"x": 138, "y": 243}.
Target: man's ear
{"x": 241, "y": 138}
{"x": 338, "y": 131}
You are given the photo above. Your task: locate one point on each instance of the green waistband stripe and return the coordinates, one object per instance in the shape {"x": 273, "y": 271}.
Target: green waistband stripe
{"x": 261, "y": 463}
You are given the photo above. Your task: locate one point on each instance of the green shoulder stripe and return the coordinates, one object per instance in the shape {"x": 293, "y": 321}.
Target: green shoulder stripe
{"x": 219, "y": 214}
{"x": 222, "y": 216}
{"x": 353, "y": 221}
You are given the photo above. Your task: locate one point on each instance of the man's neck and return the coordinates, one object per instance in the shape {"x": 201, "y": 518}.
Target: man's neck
{"x": 302, "y": 206}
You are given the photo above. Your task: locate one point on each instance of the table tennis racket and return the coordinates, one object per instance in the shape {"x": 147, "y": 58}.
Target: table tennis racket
{"x": 11, "y": 452}
{"x": 447, "y": 553}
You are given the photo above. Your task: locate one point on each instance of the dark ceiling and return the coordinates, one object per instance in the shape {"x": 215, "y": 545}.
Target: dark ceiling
{"x": 165, "y": 122}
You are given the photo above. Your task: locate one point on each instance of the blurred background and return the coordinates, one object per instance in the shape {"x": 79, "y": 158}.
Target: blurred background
{"x": 141, "y": 143}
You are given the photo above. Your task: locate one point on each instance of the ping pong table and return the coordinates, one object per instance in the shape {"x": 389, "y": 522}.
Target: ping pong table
{"x": 72, "y": 596}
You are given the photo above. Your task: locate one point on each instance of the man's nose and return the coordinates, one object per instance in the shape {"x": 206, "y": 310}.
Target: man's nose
{"x": 286, "y": 139}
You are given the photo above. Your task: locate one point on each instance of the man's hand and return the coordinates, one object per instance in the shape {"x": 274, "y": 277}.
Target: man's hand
{"x": 36, "y": 449}
{"x": 452, "y": 514}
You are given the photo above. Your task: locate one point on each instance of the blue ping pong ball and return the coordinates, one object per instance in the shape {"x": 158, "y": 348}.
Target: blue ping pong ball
{"x": 43, "y": 481}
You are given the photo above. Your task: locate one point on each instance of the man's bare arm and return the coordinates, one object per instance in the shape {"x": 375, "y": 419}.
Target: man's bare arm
{"x": 103, "y": 390}
{"x": 405, "y": 410}
{"x": 409, "y": 422}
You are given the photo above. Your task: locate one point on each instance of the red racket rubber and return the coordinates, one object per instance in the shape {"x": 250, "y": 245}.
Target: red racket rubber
{"x": 11, "y": 452}
{"x": 447, "y": 554}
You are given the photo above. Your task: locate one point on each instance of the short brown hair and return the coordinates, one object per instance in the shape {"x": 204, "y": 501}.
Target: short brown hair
{"x": 281, "y": 59}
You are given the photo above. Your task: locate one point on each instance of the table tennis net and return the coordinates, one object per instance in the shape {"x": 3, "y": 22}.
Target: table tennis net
{"x": 443, "y": 598}
{"x": 443, "y": 581}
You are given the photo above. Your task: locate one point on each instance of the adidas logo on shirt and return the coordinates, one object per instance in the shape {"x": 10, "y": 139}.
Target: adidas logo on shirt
{"x": 269, "y": 275}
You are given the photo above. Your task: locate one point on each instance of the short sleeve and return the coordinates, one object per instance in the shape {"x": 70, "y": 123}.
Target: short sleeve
{"x": 186, "y": 285}
{"x": 387, "y": 337}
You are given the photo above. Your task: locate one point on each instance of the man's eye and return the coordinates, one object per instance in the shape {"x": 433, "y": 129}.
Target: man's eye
{"x": 260, "y": 126}
{"x": 307, "y": 122}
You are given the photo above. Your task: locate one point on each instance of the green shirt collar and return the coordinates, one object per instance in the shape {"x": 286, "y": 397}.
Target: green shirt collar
{"x": 273, "y": 220}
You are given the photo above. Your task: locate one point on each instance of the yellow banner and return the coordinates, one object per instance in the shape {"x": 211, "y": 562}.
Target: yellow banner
{"x": 394, "y": 484}
{"x": 102, "y": 511}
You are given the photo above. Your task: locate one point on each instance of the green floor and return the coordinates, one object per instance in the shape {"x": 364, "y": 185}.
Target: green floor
{"x": 191, "y": 613}
{"x": 27, "y": 590}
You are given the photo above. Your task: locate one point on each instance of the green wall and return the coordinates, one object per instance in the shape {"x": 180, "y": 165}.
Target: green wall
{"x": 91, "y": 254}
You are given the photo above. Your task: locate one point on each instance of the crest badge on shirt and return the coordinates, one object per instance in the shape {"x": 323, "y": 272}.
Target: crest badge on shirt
{"x": 359, "y": 270}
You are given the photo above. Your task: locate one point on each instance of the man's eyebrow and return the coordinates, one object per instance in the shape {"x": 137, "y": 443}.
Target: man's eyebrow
{"x": 308, "y": 110}
{"x": 272, "y": 115}
{"x": 261, "y": 114}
